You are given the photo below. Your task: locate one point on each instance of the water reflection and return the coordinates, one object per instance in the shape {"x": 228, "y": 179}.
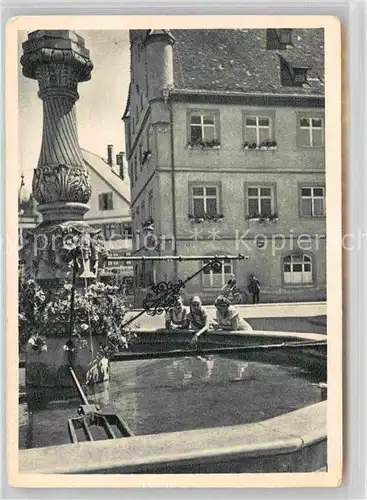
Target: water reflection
{"x": 165, "y": 395}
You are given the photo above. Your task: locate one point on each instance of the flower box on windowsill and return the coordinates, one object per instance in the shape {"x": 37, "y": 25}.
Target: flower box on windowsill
{"x": 204, "y": 145}
{"x": 205, "y": 217}
{"x": 262, "y": 146}
{"x": 263, "y": 218}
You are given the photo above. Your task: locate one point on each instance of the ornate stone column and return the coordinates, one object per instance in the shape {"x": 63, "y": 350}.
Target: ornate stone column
{"x": 58, "y": 60}
{"x": 63, "y": 242}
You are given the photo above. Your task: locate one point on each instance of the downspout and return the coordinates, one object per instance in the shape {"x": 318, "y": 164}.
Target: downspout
{"x": 166, "y": 95}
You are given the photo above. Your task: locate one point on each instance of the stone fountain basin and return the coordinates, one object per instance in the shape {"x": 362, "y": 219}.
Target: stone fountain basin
{"x": 292, "y": 442}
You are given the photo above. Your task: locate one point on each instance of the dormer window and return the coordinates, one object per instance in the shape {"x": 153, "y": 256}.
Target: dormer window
{"x": 285, "y": 36}
{"x": 278, "y": 39}
{"x": 292, "y": 74}
{"x": 300, "y": 75}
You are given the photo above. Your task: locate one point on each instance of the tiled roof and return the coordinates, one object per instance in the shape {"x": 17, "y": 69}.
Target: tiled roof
{"x": 237, "y": 60}
{"x": 99, "y": 166}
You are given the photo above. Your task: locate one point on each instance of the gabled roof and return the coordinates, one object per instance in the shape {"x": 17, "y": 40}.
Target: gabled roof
{"x": 101, "y": 168}
{"x": 237, "y": 60}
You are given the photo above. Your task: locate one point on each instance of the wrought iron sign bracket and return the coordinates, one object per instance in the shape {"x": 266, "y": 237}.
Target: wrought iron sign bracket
{"x": 164, "y": 295}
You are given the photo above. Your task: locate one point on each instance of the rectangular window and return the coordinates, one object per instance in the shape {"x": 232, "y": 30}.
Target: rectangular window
{"x": 297, "y": 270}
{"x": 311, "y": 131}
{"x": 105, "y": 201}
{"x": 260, "y": 201}
{"x": 278, "y": 39}
{"x": 217, "y": 279}
{"x": 127, "y": 230}
{"x": 205, "y": 200}
{"x": 135, "y": 170}
{"x": 143, "y": 211}
{"x": 109, "y": 230}
{"x": 312, "y": 201}
{"x": 113, "y": 229}
{"x": 257, "y": 129}
{"x": 203, "y": 127}
{"x": 300, "y": 75}
{"x": 285, "y": 36}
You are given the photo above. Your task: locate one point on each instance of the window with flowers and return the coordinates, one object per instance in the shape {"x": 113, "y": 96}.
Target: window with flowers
{"x": 203, "y": 128}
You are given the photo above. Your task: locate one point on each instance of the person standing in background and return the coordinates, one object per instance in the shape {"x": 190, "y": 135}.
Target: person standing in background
{"x": 254, "y": 289}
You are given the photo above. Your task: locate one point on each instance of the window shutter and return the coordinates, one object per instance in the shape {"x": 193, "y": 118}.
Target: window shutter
{"x": 101, "y": 202}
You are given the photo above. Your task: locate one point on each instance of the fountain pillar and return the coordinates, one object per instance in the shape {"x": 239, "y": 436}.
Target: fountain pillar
{"x": 59, "y": 60}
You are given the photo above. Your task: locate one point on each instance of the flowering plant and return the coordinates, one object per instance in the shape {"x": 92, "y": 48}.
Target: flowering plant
{"x": 38, "y": 343}
{"x": 263, "y": 217}
{"x": 100, "y": 311}
{"x": 214, "y": 144}
{"x": 261, "y": 145}
{"x": 201, "y": 218}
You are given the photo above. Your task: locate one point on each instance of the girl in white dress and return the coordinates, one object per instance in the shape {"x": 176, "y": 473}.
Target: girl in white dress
{"x": 227, "y": 316}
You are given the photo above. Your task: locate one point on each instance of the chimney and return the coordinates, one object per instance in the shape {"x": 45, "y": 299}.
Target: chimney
{"x": 120, "y": 163}
{"x": 110, "y": 154}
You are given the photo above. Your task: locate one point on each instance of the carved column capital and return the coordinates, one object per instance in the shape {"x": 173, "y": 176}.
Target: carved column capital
{"x": 58, "y": 60}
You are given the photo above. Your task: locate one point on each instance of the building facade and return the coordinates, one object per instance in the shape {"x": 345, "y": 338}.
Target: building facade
{"x": 225, "y": 147}
{"x": 109, "y": 210}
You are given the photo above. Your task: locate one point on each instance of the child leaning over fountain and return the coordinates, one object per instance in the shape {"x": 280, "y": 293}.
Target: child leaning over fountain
{"x": 227, "y": 316}
{"x": 197, "y": 319}
{"x": 176, "y": 316}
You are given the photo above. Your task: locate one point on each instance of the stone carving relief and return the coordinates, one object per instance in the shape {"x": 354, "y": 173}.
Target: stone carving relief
{"x": 60, "y": 183}
{"x": 57, "y": 75}
{"x": 64, "y": 66}
{"x": 48, "y": 253}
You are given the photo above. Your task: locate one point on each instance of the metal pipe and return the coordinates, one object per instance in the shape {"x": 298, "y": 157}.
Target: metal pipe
{"x": 180, "y": 257}
{"x": 78, "y": 386}
{"x": 174, "y": 218}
